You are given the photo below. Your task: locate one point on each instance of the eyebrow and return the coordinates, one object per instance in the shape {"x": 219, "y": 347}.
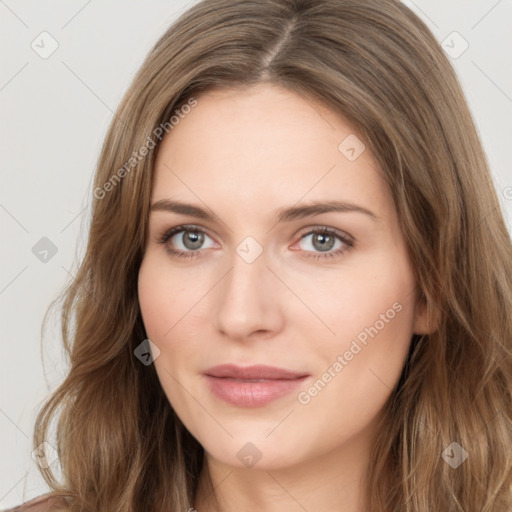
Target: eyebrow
{"x": 280, "y": 215}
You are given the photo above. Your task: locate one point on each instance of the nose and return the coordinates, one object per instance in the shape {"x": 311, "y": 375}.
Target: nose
{"x": 249, "y": 300}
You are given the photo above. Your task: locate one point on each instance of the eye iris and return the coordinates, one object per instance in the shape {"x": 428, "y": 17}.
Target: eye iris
{"x": 326, "y": 241}
{"x": 193, "y": 239}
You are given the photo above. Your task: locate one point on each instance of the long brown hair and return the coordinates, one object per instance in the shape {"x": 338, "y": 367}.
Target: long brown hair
{"x": 121, "y": 445}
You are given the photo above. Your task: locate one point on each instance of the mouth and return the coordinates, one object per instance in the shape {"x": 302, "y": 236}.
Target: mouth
{"x": 252, "y": 386}
{"x": 254, "y": 372}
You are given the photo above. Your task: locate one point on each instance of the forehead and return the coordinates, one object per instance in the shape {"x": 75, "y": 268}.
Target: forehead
{"x": 261, "y": 148}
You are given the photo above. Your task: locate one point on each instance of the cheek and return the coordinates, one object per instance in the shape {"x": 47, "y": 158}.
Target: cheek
{"x": 374, "y": 290}
{"x": 372, "y": 316}
{"x": 164, "y": 297}
{"x": 154, "y": 301}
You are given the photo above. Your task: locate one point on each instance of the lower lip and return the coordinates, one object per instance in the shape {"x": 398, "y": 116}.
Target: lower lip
{"x": 244, "y": 393}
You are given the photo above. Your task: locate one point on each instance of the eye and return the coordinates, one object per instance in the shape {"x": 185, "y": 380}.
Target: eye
{"x": 190, "y": 239}
{"x": 324, "y": 240}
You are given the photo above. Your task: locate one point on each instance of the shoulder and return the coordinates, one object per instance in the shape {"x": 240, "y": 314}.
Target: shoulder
{"x": 43, "y": 503}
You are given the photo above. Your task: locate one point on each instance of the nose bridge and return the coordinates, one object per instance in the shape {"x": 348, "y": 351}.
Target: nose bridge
{"x": 247, "y": 277}
{"x": 247, "y": 298}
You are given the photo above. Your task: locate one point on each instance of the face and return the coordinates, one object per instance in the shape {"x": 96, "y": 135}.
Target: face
{"x": 254, "y": 276}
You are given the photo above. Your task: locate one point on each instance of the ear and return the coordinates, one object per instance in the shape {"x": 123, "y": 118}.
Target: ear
{"x": 426, "y": 319}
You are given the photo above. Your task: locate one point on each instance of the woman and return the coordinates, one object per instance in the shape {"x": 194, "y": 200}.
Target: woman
{"x": 297, "y": 290}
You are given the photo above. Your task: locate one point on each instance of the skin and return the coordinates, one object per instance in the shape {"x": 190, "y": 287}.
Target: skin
{"x": 242, "y": 154}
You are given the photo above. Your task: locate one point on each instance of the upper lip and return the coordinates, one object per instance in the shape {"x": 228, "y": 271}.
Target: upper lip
{"x": 259, "y": 371}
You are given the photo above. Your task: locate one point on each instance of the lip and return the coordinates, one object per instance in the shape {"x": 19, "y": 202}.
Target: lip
{"x": 252, "y": 386}
{"x": 258, "y": 371}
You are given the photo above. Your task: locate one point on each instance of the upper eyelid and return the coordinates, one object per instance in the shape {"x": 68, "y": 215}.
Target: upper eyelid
{"x": 184, "y": 227}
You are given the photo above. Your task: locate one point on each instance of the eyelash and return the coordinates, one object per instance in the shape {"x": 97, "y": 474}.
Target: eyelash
{"x": 163, "y": 239}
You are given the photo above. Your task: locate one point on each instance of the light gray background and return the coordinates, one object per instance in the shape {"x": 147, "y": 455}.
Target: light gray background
{"x": 55, "y": 112}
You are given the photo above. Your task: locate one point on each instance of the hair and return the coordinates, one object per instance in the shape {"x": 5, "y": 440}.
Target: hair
{"x": 121, "y": 446}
